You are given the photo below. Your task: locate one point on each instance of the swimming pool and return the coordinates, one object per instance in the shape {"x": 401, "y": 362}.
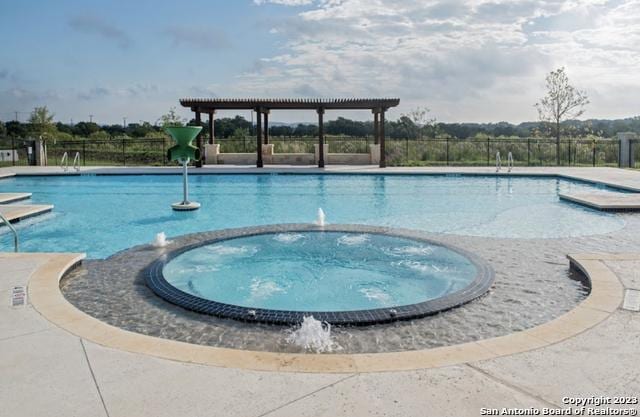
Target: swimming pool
{"x": 101, "y": 215}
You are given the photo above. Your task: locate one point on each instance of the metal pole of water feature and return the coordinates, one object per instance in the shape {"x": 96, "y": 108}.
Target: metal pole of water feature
{"x": 185, "y": 205}
{"x": 185, "y": 182}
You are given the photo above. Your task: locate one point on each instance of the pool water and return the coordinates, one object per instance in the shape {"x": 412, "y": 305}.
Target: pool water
{"x": 320, "y": 271}
{"x": 101, "y": 215}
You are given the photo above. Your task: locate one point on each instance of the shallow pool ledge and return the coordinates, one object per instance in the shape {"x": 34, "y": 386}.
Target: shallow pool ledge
{"x": 605, "y": 297}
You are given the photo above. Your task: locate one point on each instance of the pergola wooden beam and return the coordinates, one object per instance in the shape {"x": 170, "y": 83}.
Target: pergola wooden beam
{"x": 206, "y": 104}
{"x": 263, "y": 106}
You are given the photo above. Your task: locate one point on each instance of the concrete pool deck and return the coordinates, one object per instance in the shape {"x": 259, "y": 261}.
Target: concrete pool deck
{"x": 47, "y": 370}
{"x": 50, "y": 371}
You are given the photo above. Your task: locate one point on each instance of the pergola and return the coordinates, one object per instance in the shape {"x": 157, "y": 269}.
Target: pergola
{"x": 263, "y": 107}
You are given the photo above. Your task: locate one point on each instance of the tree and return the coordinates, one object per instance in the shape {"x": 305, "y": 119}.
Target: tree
{"x": 410, "y": 128}
{"x": 64, "y": 128}
{"x": 171, "y": 119}
{"x": 3, "y": 129}
{"x": 16, "y": 129}
{"x": 562, "y": 102}
{"x": 85, "y": 129}
{"x": 425, "y": 124}
{"x": 42, "y": 125}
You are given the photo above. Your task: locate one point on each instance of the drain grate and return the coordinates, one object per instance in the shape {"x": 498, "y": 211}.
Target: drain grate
{"x": 631, "y": 300}
{"x": 19, "y": 296}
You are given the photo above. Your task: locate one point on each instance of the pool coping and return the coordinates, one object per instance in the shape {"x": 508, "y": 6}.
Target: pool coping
{"x": 542, "y": 172}
{"x": 156, "y": 281}
{"x": 605, "y": 298}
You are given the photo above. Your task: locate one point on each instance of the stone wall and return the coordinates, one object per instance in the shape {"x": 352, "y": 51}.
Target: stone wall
{"x": 213, "y": 156}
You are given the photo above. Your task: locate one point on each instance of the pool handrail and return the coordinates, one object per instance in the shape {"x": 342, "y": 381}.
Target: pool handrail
{"x": 76, "y": 162}
{"x": 16, "y": 240}
{"x": 64, "y": 162}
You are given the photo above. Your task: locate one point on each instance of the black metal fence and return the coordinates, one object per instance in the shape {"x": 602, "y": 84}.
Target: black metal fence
{"x": 147, "y": 151}
{"x": 17, "y": 152}
{"x": 400, "y": 152}
{"x": 482, "y": 152}
{"x": 296, "y": 144}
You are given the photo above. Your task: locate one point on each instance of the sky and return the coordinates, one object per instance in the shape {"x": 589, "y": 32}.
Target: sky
{"x": 465, "y": 60}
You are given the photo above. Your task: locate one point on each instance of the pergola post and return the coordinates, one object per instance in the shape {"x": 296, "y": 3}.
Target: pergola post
{"x": 198, "y": 163}
{"x": 383, "y": 159}
{"x": 212, "y": 139}
{"x": 320, "y": 138}
{"x": 259, "y": 163}
{"x": 266, "y": 127}
{"x": 376, "y": 120}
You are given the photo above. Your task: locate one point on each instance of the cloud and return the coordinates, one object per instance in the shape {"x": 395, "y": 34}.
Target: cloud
{"x": 94, "y": 93}
{"x": 132, "y": 91}
{"x": 205, "y": 38}
{"x": 467, "y": 59}
{"x": 284, "y": 2}
{"x": 94, "y": 25}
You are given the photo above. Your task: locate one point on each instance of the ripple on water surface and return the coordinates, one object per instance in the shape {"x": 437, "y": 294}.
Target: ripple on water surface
{"x": 104, "y": 214}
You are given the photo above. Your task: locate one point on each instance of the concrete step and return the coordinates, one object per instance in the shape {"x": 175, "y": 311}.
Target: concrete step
{"x": 13, "y": 197}
{"x": 15, "y": 212}
{"x": 605, "y": 202}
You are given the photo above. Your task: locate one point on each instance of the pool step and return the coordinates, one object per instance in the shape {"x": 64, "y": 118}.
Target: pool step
{"x": 605, "y": 202}
{"x": 15, "y": 212}
{"x": 13, "y": 197}
{"x": 6, "y": 175}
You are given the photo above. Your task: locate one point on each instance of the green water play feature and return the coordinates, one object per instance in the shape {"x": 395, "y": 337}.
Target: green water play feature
{"x": 183, "y": 152}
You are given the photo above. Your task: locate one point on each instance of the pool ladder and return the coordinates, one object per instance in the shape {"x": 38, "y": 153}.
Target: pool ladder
{"x": 499, "y": 162}
{"x": 16, "y": 243}
{"x": 64, "y": 162}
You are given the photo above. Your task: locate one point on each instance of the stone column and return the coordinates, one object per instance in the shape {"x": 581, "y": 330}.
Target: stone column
{"x": 625, "y": 156}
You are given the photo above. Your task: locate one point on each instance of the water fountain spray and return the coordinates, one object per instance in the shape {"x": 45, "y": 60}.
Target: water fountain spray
{"x": 320, "y": 219}
{"x": 312, "y": 335}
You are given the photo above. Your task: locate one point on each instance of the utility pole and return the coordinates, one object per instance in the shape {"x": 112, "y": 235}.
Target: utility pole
{"x": 71, "y": 122}
{"x": 91, "y": 118}
{"x": 124, "y": 122}
{"x": 16, "y": 115}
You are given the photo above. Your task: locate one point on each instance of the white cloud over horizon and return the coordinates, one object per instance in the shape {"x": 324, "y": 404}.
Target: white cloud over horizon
{"x": 466, "y": 60}
{"x": 470, "y": 60}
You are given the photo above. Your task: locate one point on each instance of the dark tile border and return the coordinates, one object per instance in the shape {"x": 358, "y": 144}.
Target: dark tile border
{"x": 159, "y": 285}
